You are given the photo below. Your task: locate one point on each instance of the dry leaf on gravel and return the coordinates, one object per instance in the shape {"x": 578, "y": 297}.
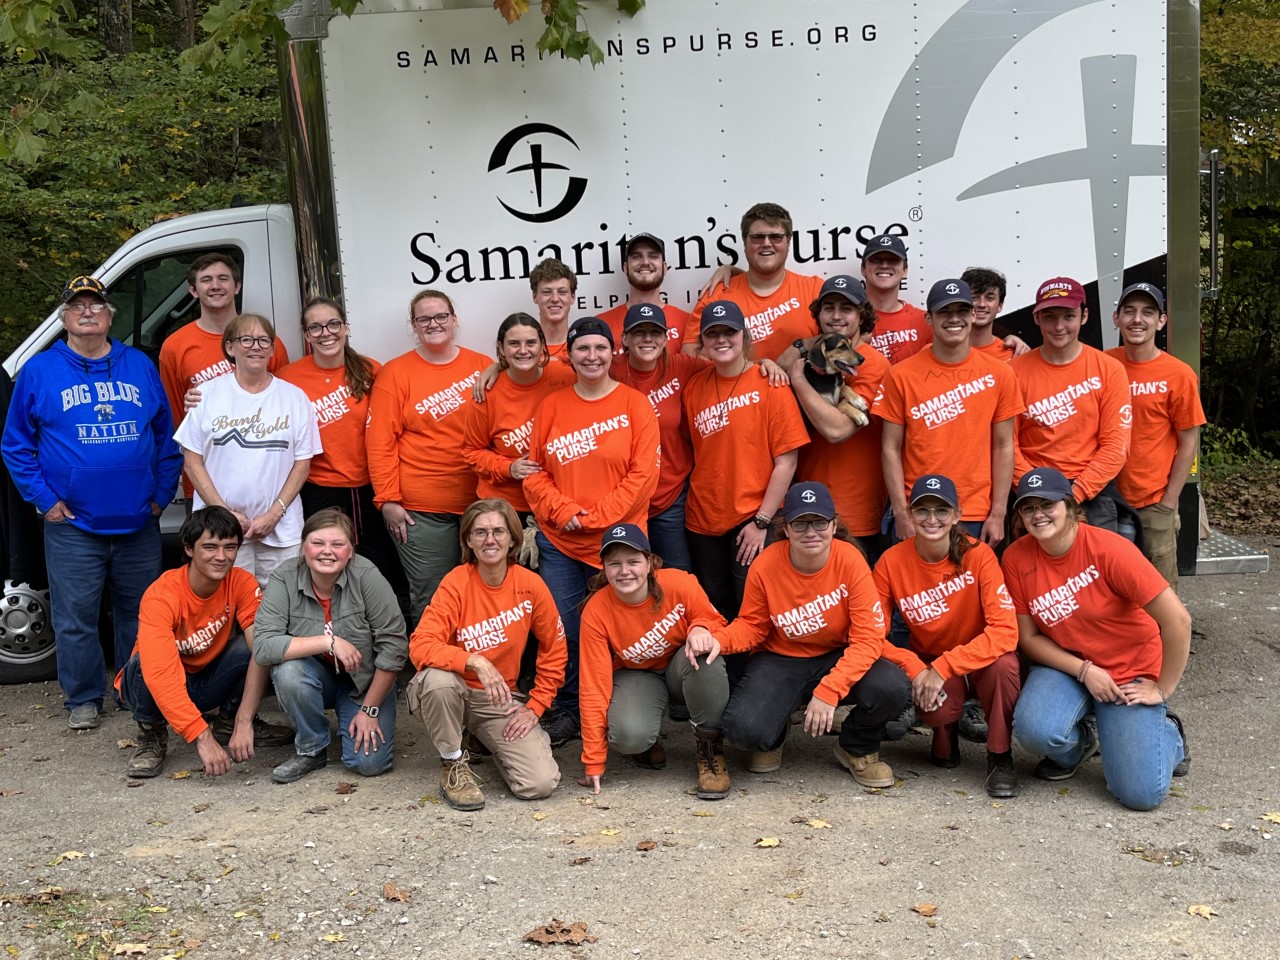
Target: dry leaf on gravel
{"x": 45, "y": 895}
{"x": 200, "y": 807}
{"x": 334, "y": 938}
{"x": 579, "y": 861}
{"x": 345, "y": 788}
{"x": 393, "y": 893}
{"x": 539, "y": 815}
{"x": 925, "y": 909}
{"x": 179, "y": 774}
{"x": 10, "y": 792}
{"x": 703, "y": 813}
{"x": 645, "y": 845}
{"x": 795, "y": 895}
{"x": 129, "y": 949}
{"x": 610, "y": 832}
{"x": 1202, "y": 910}
{"x": 1270, "y": 817}
{"x": 560, "y": 931}
{"x": 768, "y": 842}
{"x": 124, "y": 743}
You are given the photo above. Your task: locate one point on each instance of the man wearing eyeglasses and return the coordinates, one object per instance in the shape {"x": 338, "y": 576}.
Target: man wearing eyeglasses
{"x": 89, "y": 442}
{"x": 774, "y": 300}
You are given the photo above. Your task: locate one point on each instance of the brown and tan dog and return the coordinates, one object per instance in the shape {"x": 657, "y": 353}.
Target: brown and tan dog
{"x": 827, "y": 361}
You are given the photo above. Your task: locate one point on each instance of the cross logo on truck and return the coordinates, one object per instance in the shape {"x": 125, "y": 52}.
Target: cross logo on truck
{"x": 537, "y": 165}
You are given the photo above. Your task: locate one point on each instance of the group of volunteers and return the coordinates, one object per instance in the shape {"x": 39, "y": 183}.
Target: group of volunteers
{"x": 626, "y": 517}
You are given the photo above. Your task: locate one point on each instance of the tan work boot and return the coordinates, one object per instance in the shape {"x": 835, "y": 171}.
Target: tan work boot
{"x": 713, "y": 772}
{"x": 153, "y": 746}
{"x": 765, "y": 761}
{"x": 869, "y": 770}
{"x": 458, "y": 785}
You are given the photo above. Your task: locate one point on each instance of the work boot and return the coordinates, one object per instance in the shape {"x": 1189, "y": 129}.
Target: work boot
{"x": 868, "y": 770}
{"x": 655, "y": 758}
{"x": 458, "y": 784}
{"x": 713, "y": 772}
{"x": 901, "y": 725}
{"x": 298, "y": 766}
{"x": 1048, "y": 769}
{"x": 153, "y": 746}
{"x": 973, "y": 722}
{"x": 561, "y": 726}
{"x": 1001, "y": 782}
{"x": 1184, "y": 765}
{"x": 765, "y": 761}
{"x": 264, "y": 734}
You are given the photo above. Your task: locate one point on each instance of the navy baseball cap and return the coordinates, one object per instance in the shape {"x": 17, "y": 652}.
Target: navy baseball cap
{"x": 1043, "y": 483}
{"x": 723, "y": 313}
{"x": 78, "y": 285}
{"x": 886, "y": 243}
{"x": 641, "y": 314}
{"x": 1151, "y": 291}
{"x": 808, "y": 499}
{"x": 647, "y": 238}
{"x": 588, "y": 327}
{"x": 843, "y": 285}
{"x": 935, "y": 485}
{"x": 627, "y": 534}
{"x": 946, "y": 292}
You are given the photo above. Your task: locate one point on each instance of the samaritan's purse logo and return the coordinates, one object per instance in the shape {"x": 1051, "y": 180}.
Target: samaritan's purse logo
{"x": 537, "y": 165}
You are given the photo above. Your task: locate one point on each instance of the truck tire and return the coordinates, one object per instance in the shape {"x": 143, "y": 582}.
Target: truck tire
{"x": 27, "y": 652}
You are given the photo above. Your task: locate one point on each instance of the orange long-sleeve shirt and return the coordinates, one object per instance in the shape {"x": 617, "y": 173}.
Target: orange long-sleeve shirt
{"x": 1077, "y": 418}
{"x": 498, "y": 431}
{"x": 414, "y": 436}
{"x": 468, "y": 616}
{"x": 341, "y": 418}
{"x": 806, "y": 615}
{"x": 618, "y": 636}
{"x": 960, "y": 620}
{"x": 180, "y": 633}
{"x": 599, "y": 455}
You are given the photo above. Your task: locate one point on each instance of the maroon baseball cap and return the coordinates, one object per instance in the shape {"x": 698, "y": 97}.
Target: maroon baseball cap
{"x": 1059, "y": 292}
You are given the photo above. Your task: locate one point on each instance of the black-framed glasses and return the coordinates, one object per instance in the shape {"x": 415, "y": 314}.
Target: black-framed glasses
{"x": 803, "y": 526}
{"x": 248, "y": 343}
{"x": 435, "y": 320}
{"x": 332, "y": 326}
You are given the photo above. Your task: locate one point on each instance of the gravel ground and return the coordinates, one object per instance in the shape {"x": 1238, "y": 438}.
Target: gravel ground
{"x": 931, "y": 868}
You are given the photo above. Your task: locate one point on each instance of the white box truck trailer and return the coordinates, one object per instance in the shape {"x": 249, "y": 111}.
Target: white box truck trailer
{"x": 430, "y": 145}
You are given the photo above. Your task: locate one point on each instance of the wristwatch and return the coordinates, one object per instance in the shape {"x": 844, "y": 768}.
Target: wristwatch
{"x": 762, "y": 523}
{"x": 371, "y": 711}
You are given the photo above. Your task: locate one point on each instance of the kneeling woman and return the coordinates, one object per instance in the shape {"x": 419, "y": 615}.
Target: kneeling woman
{"x": 644, "y": 639}
{"x": 1107, "y": 635}
{"x": 951, "y": 593}
{"x": 813, "y": 624}
{"x": 468, "y": 648}
{"x": 331, "y": 629}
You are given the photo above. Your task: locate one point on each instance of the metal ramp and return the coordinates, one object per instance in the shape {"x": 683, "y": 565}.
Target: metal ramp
{"x": 1220, "y": 553}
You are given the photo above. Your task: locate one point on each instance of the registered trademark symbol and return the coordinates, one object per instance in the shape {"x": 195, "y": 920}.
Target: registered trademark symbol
{"x": 916, "y": 213}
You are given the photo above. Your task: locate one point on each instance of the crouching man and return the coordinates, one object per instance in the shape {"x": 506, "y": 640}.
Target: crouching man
{"x": 194, "y": 655}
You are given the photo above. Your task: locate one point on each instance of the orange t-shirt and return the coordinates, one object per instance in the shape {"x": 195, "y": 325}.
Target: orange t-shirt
{"x": 414, "y": 435}
{"x": 961, "y": 620}
{"x": 180, "y": 633}
{"x": 663, "y": 385}
{"x": 617, "y": 636}
{"x": 901, "y": 334}
{"x": 738, "y": 426}
{"x": 947, "y": 411}
{"x": 601, "y": 456}
{"x": 498, "y": 431}
{"x": 996, "y": 350}
{"x": 806, "y": 615}
{"x": 1090, "y": 600}
{"x": 775, "y": 321}
{"x": 468, "y": 616}
{"x": 677, "y": 320}
{"x": 1165, "y": 394}
{"x": 342, "y": 421}
{"x": 851, "y": 470}
{"x": 1076, "y": 420}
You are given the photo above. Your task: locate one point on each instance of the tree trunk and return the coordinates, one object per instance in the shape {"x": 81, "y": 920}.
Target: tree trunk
{"x": 115, "y": 26}
{"x": 184, "y": 14}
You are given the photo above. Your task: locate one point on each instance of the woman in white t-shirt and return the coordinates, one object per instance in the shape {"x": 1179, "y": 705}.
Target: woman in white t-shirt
{"x": 248, "y": 446}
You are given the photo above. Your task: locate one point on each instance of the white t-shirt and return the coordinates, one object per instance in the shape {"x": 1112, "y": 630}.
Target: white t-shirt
{"x": 250, "y": 442}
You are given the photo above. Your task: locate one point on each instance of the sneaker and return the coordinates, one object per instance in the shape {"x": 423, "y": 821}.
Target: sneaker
{"x": 264, "y": 734}
{"x": 901, "y": 725}
{"x": 561, "y": 726}
{"x": 1002, "y": 781}
{"x": 973, "y": 722}
{"x": 458, "y": 784}
{"x": 298, "y": 766}
{"x": 1048, "y": 769}
{"x": 87, "y": 716}
{"x": 1184, "y": 765}
{"x": 946, "y": 738}
{"x": 713, "y": 772}
{"x": 153, "y": 746}
{"x": 765, "y": 761}
{"x": 868, "y": 770}
{"x": 655, "y": 758}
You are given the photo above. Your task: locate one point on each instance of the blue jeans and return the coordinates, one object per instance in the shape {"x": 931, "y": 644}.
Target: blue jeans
{"x": 219, "y": 685}
{"x": 668, "y": 537}
{"x": 1140, "y": 744}
{"x": 567, "y": 580}
{"x": 80, "y": 565}
{"x": 305, "y": 688}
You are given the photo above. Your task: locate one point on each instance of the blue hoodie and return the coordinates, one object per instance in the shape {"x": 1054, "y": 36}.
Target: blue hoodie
{"x": 95, "y": 434}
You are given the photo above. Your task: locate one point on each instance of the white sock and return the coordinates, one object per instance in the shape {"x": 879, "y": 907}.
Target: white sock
{"x": 456, "y": 755}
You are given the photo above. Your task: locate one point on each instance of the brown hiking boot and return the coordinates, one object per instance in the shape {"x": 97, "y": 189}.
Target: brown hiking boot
{"x": 264, "y": 734}
{"x": 713, "y": 772}
{"x": 458, "y": 784}
{"x": 869, "y": 770}
{"x": 153, "y": 746}
{"x": 655, "y": 758}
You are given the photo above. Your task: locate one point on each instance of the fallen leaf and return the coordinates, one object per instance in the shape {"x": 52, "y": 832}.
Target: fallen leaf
{"x": 1063, "y": 791}
{"x": 819, "y": 824}
{"x": 124, "y": 743}
{"x": 703, "y": 813}
{"x": 393, "y": 893}
{"x": 429, "y": 798}
{"x": 45, "y": 895}
{"x": 560, "y": 931}
{"x": 179, "y": 774}
{"x": 227, "y": 870}
{"x": 768, "y": 842}
{"x": 579, "y": 861}
{"x": 610, "y": 832}
{"x": 200, "y": 807}
{"x": 12, "y": 950}
{"x": 925, "y": 909}
{"x": 1201, "y": 910}
{"x": 10, "y": 792}
{"x": 158, "y": 823}
{"x": 319, "y": 809}
{"x": 334, "y": 938}
{"x": 882, "y": 917}
{"x": 344, "y": 787}
{"x": 1225, "y": 825}
{"x": 69, "y": 855}
{"x": 1270, "y": 817}
{"x": 647, "y": 845}
{"x": 796, "y": 895}
{"x": 539, "y": 815}
{"x": 156, "y": 909}
{"x": 997, "y": 804}
{"x": 129, "y": 949}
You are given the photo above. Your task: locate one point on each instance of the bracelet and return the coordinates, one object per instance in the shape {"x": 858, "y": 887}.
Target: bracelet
{"x": 282, "y": 505}
{"x": 331, "y": 653}
{"x": 1084, "y": 669}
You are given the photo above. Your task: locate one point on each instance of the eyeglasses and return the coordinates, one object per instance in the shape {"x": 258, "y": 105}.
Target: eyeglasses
{"x": 333, "y": 326}
{"x": 481, "y": 534}
{"x": 249, "y": 343}
{"x": 924, "y": 513}
{"x": 1029, "y": 510}
{"x": 803, "y": 526}
{"x": 774, "y": 238}
{"x": 435, "y": 320}
{"x": 95, "y": 308}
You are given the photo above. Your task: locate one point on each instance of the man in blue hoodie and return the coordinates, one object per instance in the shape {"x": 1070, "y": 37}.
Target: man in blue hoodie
{"x": 89, "y": 442}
